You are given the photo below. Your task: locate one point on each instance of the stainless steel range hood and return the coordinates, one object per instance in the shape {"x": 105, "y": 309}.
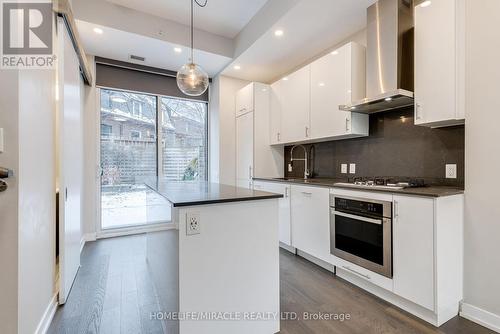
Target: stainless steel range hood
{"x": 389, "y": 58}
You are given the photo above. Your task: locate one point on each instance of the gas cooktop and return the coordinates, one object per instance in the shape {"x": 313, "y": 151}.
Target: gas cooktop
{"x": 383, "y": 182}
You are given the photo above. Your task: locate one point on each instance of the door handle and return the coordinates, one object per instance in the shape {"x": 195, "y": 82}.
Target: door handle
{"x": 396, "y": 209}
{"x": 5, "y": 173}
{"x": 3, "y": 186}
{"x": 419, "y": 111}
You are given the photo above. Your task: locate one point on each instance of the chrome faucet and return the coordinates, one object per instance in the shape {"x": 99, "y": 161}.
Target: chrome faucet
{"x": 306, "y": 166}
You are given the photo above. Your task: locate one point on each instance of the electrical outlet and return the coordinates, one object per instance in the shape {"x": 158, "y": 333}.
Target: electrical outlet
{"x": 352, "y": 168}
{"x": 290, "y": 168}
{"x": 343, "y": 168}
{"x": 451, "y": 171}
{"x": 193, "y": 224}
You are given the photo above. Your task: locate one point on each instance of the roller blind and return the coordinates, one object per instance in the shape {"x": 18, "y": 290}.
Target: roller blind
{"x": 138, "y": 78}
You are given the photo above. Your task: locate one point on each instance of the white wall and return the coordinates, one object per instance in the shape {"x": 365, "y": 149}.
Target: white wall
{"x": 9, "y": 121}
{"x": 482, "y": 157}
{"x": 27, "y": 208}
{"x": 223, "y": 129}
{"x": 37, "y": 202}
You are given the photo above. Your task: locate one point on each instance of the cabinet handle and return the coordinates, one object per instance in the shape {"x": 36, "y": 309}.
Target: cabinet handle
{"x": 396, "y": 209}
{"x": 286, "y": 192}
{"x": 278, "y": 136}
{"x": 305, "y": 193}
{"x": 356, "y": 272}
{"x": 250, "y": 172}
{"x": 419, "y": 111}
{"x": 347, "y": 124}
{"x": 307, "y": 131}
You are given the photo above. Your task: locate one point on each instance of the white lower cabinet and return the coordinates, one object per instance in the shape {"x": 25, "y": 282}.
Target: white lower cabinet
{"x": 284, "y": 207}
{"x": 413, "y": 249}
{"x": 310, "y": 215}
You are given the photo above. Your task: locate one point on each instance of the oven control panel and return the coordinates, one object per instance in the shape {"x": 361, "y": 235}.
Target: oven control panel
{"x": 359, "y": 206}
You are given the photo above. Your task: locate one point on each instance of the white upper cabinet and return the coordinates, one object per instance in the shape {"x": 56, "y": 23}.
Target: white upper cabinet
{"x": 295, "y": 105}
{"x": 338, "y": 79}
{"x": 275, "y": 114}
{"x": 439, "y": 63}
{"x": 305, "y": 104}
{"x": 245, "y": 100}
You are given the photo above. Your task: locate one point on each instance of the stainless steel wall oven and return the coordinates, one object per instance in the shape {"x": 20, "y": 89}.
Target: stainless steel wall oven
{"x": 361, "y": 232}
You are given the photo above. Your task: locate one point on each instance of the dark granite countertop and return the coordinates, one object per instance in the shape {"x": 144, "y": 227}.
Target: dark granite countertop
{"x": 428, "y": 191}
{"x": 188, "y": 193}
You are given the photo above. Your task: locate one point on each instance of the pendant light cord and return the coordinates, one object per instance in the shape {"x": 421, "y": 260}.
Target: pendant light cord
{"x": 192, "y": 25}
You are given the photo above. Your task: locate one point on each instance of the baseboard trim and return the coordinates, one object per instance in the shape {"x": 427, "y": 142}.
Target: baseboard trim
{"x": 85, "y": 238}
{"x": 288, "y": 248}
{"x": 480, "y": 316}
{"x": 48, "y": 315}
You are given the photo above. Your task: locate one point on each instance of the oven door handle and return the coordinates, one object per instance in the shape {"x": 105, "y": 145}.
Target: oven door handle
{"x": 365, "y": 219}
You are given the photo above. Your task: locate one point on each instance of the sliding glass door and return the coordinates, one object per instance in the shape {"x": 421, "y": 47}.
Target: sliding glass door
{"x": 139, "y": 141}
{"x": 184, "y": 139}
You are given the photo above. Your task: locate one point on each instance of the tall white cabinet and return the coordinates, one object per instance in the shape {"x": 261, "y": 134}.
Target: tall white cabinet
{"x": 305, "y": 104}
{"x": 244, "y": 149}
{"x": 440, "y": 63}
{"x": 255, "y": 157}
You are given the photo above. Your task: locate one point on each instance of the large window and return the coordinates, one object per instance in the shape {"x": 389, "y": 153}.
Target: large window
{"x": 184, "y": 139}
{"x": 130, "y": 123}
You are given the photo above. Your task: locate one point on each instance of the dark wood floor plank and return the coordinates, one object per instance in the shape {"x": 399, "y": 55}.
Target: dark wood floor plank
{"x": 113, "y": 293}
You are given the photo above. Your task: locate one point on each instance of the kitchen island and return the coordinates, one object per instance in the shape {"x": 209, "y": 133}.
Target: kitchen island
{"x": 216, "y": 269}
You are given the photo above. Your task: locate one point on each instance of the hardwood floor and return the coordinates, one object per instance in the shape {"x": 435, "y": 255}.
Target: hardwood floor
{"x": 113, "y": 293}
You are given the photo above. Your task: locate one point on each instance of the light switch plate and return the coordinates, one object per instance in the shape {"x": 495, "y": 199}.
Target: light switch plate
{"x": 1, "y": 140}
{"x": 352, "y": 168}
{"x": 451, "y": 171}
{"x": 343, "y": 168}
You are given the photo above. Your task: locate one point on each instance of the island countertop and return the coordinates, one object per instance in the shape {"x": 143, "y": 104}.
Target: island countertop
{"x": 189, "y": 193}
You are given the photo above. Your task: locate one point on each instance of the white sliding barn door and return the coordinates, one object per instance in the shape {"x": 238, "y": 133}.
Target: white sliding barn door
{"x": 70, "y": 148}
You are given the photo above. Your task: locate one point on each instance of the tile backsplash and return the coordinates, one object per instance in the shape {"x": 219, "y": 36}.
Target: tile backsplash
{"x": 395, "y": 148}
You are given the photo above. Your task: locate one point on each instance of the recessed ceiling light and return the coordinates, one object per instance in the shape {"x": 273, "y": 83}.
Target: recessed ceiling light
{"x": 98, "y": 31}
{"x": 178, "y": 50}
{"x": 335, "y": 53}
{"x": 285, "y": 79}
{"x": 278, "y": 33}
{"x": 237, "y": 67}
{"x": 321, "y": 84}
{"x": 425, "y": 4}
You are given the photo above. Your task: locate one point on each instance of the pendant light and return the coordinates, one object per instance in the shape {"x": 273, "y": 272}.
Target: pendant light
{"x": 192, "y": 80}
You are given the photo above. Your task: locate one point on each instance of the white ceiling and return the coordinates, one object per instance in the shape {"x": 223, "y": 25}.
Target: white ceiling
{"x": 119, "y": 45}
{"x": 221, "y": 17}
{"x": 310, "y": 28}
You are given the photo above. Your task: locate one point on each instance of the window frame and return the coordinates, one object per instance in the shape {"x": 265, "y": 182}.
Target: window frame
{"x": 159, "y": 120}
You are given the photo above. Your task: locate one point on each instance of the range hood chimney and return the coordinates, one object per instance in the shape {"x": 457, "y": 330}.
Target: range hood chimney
{"x": 389, "y": 58}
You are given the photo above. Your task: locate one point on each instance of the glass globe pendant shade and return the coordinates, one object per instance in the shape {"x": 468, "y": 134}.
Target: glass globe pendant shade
{"x": 192, "y": 80}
